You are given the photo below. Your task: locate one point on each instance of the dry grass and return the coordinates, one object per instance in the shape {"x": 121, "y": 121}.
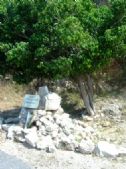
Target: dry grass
{"x": 11, "y": 95}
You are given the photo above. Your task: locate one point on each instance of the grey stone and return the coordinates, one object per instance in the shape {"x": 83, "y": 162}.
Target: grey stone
{"x": 1, "y": 122}
{"x": 65, "y": 143}
{"x": 111, "y": 110}
{"x": 43, "y": 91}
{"x": 86, "y": 147}
{"x": 12, "y": 120}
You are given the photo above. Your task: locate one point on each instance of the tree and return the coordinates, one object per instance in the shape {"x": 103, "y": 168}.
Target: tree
{"x": 60, "y": 38}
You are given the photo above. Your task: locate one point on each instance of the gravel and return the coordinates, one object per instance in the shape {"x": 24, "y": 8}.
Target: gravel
{"x": 58, "y": 160}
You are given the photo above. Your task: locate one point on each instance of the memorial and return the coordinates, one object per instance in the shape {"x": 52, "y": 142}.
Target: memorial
{"x": 30, "y": 103}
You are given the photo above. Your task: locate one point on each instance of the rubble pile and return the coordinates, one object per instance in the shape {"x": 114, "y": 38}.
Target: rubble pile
{"x": 53, "y": 130}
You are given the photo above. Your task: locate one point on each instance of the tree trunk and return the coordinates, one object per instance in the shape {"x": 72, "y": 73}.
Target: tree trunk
{"x": 90, "y": 90}
{"x": 86, "y": 90}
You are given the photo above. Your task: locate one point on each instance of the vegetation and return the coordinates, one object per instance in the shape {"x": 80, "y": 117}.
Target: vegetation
{"x": 61, "y": 38}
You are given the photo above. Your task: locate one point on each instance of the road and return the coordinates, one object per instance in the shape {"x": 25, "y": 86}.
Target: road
{"x": 11, "y": 162}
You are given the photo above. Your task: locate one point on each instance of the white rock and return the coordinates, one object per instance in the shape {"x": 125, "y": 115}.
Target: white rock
{"x": 87, "y": 118}
{"x": 51, "y": 149}
{"x": 65, "y": 116}
{"x": 86, "y": 147}
{"x": 65, "y": 143}
{"x": 38, "y": 123}
{"x": 41, "y": 112}
{"x": 49, "y": 128}
{"x": 45, "y": 121}
{"x": 32, "y": 138}
{"x": 66, "y": 131}
{"x": 50, "y": 118}
{"x": 57, "y": 116}
{"x": 5, "y": 127}
{"x": 46, "y": 143}
{"x": 19, "y": 135}
{"x": 13, "y": 130}
{"x": 58, "y": 121}
{"x": 56, "y": 142}
{"x": 81, "y": 124}
{"x": 10, "y": 133}
{"x": 78, "y": 137}
{"x": 54, "y": 134}
{"x": 60, "y": 110}
{"x": 79, "y": 129}
{"x": 29, "y": 130}
{"x": 52, "y": 101}
{"x": 89, "y": 129}
{"x": 49, "y": 113}
{"x": 105, "y": 149}
{"x": 66, "y": 123}
{"x": 122, "y": 151}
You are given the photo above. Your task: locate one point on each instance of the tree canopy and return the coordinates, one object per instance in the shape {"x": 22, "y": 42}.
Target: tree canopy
{"x": 60, "y": 38}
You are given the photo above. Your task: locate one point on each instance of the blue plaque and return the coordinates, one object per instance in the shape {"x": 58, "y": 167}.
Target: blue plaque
{"x": 31, "y": 101}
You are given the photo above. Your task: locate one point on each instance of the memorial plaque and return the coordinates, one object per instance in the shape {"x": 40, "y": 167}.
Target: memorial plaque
{"x": 31, "y": 101}
{"x": 25, "y": 117}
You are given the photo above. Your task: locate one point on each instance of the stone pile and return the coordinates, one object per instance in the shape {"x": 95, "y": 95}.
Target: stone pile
{"x": 51, "y": 128}
{"x": 54, "y": 130}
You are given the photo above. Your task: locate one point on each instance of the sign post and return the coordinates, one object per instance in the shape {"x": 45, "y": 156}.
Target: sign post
{"x": 30, "y": 103}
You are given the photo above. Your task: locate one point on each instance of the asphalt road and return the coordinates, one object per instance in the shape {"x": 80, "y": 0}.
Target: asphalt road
{"x": 11, "y": 162}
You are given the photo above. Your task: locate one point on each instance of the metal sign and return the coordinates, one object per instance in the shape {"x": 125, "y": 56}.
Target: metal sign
{"x": 31, "y": 101}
